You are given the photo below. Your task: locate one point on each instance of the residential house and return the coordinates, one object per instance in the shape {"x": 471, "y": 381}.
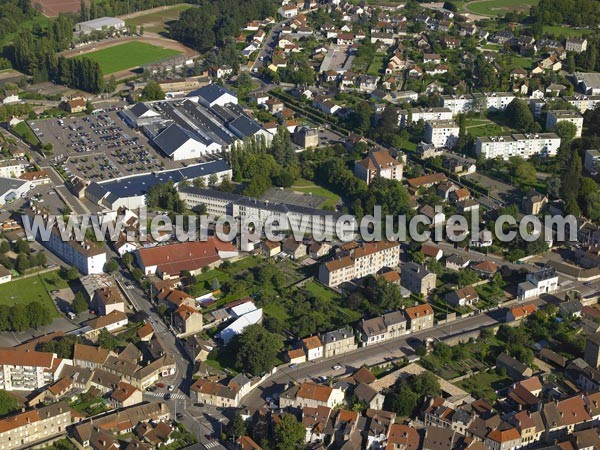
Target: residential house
{"x": 313, "y": 347}
{"x": 517, "y": 313}
{"x": 420, "y": 317}
{"x": 416, "y": 278}
{"x": 311, "y": 395}
{"x": 109, "y": 299}
{"x": 382, "y": 328}
{"x": 338, "y": 342}
{"x": 514, "y": 368}
{"x": 466, "y": 296}
{"x": 538, "y": 283}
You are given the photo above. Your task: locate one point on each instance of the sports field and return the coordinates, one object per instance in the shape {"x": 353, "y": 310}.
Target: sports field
{"x": 129, "y": 55}
{"x": 32, "y": 289}
{"x": 158, "y": 21}
{"x": 498, "y": 7}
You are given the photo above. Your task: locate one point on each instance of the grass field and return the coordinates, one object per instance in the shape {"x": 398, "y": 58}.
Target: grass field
{"x": 306, "y": 186}
{"x": 129, "y": 55}
{"x": 158, "y": 21}
{"x": 32, "y": 289}
{"x": 485, "y": 127}
{"x": 499, "y": 7}
{"x": 559, "y": 30}
{"x": 23, "y": 130}
{"x": 376, "y": 66}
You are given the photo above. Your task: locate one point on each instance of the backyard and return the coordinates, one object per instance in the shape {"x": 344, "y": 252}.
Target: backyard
{"x": 485, "y": 384}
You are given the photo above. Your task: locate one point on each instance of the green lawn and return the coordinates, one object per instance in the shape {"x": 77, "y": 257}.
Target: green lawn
{"x": 499, "y": 7}
{"x": 129, "y": 55}
{"x": 485, "y": 384}
{"x": 521, "y": 62}
{"x": 321, "y": 291}
{"x": 560, "y": 30}
{"x": 376, "y": 65}
{"x": 485, "y": 127}
{"x": 158, "y": 21}
{"x": 32, "y": 289}
{"x": 305, "y": 186}
{"x": 23, "y": 130}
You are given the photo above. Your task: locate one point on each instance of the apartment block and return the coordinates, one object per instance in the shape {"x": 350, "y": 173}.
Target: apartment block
{"x": 27, "y": 370}
{"x": 523, "y": 145}
{"x": 359, "y": 262}
{"x": 338, "y": 342}
{"x": 379, "y": 164}
{"x": 537, "y": 283}
{"x": 441, "y": 133}
{"x": 28, "y": 428}
{"x": 416, "y": 278}
{"x": 408, "y": 117}
{"x": 553, "y": 118}
{"x": 583, "y": 102}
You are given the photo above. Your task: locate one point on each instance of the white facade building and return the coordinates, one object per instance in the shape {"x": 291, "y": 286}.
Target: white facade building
{"x": 537, "y": 283}
{"x": 522, "y": 145}
{"x": 413, "y": 115}
{"x": 27, "y": 370}
{"x": 553, "y": 118}
{"x": 441, "y": 133}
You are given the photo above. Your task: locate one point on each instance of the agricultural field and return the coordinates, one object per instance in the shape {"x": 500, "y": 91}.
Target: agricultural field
{"x": 129, "y": 55}
{"x": 494, "y": 8}
{"x": 157, "y": 21}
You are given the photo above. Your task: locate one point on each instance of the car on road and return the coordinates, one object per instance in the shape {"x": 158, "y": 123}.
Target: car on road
{"x": 160, "y": 385}
{"x": 293, "y": 365}
{"x": 167, "y": 396}
{"x": 171, "y": 388}
{"x": 179, "y": 415}
{"x": 337, "y": 367}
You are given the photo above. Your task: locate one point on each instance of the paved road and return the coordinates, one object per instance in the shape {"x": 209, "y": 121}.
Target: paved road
{"x": 377, "y": 354}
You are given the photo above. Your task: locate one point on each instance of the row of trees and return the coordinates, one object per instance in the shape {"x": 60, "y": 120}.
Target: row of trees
{"x": 21, "y": 317}
{"x": 579, "y": 13}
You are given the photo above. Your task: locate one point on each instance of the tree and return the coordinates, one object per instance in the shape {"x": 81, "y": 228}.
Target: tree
{"x": 519, "y": 116}
{"x": 79, "y": 303}
{"x": 8, "y": 403}
{"x": 127, "y": 259}
{"x": 289, "y": 433}
{"x": 256, "y": 350}
{"x": 152, "y": 91}
{"x": 237, "y": 427}
{"x": 72, "y": 274}
{"x": 111, "y": 266}
{"x": 22, "y": 262}
{"x": 566, "y": 131}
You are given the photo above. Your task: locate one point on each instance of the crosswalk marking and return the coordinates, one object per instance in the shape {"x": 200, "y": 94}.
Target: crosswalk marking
{"x": 162, "y": 394}
{"x": 212, "y": 444}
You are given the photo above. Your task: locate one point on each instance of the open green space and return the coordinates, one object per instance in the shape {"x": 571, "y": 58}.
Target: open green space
{"x": 308, "y": 187}
{"x": 158, "y": 21}
{"x": 32, "y": 289}
{"x": 23, "y": 130}
{"x": 495, "y": 8}
{"x": 485, "y": 384}
{"x": 129, "y": 55}
{"x": 561, "y": 30}
{"x": 484, "y": 127}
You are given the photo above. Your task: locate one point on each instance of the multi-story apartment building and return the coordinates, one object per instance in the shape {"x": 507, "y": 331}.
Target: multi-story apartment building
{"x": 359, "y": 262}
{"x": 523, "y": 145}
{"x": 338, "y": 342}
{"x": 379, "y": 164}
{"x": 554, "y": 117}
{"x": 441, "y": 133}
{"x": 28, "y": 428}
{"x": 492, "y": 101}
{"x": 583, "y": 102}
{"x": 87, "y": 256}
{"x": 413, "y": 115}
{"x": 591, "y": 160}
{"x": 244, "y": 208}
{"x": 12, "y": 168}
{"x": 27, "y": 370}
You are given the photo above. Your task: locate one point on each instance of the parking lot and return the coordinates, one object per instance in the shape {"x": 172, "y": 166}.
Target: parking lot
{"x": 98, "y": 147}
